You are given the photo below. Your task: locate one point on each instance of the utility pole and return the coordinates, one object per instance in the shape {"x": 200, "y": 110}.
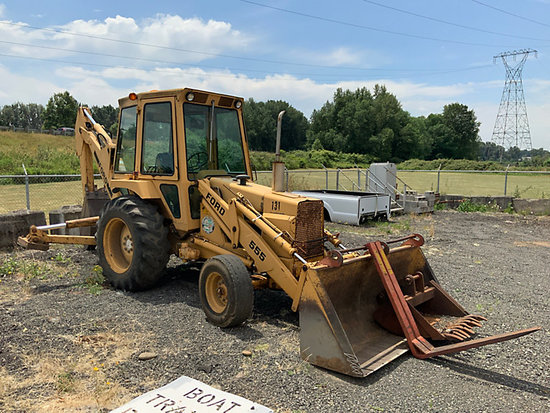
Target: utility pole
{"x": 511, "y": 126}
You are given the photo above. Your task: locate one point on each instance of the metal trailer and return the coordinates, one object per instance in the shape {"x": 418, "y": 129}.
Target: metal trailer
{"x": 353, "y": 208}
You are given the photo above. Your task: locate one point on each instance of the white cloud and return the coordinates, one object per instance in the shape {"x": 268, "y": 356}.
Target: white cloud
{"x": 23, "y": 88}
{"x": 105, "y": 86}
{"x": 124, "y": 36}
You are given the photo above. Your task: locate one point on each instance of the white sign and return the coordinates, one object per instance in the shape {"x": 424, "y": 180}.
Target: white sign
{"x": 186, "y": 395}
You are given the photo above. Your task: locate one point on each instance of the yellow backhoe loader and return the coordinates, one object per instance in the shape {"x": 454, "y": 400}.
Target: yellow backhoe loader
{"x": 177, "y": 180}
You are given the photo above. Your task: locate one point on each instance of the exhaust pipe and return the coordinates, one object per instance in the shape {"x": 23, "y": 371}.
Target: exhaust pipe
{"x": 278, "y": 183}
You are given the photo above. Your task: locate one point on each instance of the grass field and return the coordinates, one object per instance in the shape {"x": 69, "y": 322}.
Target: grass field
{"x": 48, "y": 196}
{"x": 48, "y": 154}
{"x": 41, "y": 154}
{"x": 469, "y": 184}
{"x": 43, "y": 197}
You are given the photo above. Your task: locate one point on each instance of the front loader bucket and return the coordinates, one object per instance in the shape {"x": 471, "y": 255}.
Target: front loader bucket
{"x": 361, "y": 312}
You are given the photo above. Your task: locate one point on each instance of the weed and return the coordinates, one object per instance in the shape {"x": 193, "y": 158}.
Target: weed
{"x": 261, "y": 347}
{"x": 60, "y": 258}
{"x": 469, "y": 206}
{"x": 9, "y": 266}
{"x": 65, "y": 382}
{"x": 439, "y": 206}
{"x": 33, "y": 270}
{"x": 509, "y": 209}
{"x": 95, "y": 281}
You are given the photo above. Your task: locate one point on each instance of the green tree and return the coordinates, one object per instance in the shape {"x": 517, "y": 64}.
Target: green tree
{"x": 20, "y": 115}
{"x": 60, "y": 111}
{"x": 454, "y": 133}
{"x": 105, "y": 115}
{"x": 261, "y": 125}
{"x": 365, "y": 123}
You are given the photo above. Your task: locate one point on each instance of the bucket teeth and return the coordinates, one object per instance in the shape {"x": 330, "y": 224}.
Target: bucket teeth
{"x": 475, "y": 317}
{"x": 452, "y": 336}
{"x": 458, "y": 332}
{"x": 462, "y": 329}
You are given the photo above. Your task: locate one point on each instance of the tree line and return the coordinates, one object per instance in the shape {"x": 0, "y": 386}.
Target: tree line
{"x": 60, "y": 111}
{"x": 369, "y": 123}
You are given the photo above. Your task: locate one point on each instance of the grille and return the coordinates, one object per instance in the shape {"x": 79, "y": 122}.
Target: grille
{"x": 201, "y": 97}
{"x": 309, "y": 237}
{"x": 225, "y": 101}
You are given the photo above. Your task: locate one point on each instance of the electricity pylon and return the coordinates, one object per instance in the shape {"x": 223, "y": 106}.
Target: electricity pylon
{"x": 512, "y": 127}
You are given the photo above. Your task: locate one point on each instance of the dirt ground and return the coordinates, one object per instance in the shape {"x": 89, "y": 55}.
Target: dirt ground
{"x": 71, "y": 343}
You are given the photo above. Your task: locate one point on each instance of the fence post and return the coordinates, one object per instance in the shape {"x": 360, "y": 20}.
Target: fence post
{"x": 27, "y": 192}
{"x": 337, "y": 179}
{"x": 326, "y": 176}
{"x": 506, "y": 179}
{"x": 404, "y": 196}
{"x": 358, "y": 178}
{"x": 438, "y": 173}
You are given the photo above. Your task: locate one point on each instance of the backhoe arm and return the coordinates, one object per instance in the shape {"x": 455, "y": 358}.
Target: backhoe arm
{"x": 93, "y": 142}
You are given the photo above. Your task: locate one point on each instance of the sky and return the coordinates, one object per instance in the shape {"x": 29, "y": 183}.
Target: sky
{"x": 428, "y": 53}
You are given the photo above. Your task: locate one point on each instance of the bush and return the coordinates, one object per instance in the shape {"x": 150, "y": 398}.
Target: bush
{"x": 314, "y": 159}
{"x": 452, "y": 164}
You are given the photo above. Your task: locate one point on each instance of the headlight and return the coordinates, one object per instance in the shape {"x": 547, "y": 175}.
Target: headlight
{"x": 238, "y": 104}
{"x": 190, "y": 96}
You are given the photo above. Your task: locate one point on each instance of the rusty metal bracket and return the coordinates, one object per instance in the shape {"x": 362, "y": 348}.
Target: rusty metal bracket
{"x": 333, "y": 259}
{"x": 420, "y": 346}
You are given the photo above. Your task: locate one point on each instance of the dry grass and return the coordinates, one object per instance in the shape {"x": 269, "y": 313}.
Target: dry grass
{"x": 32, "y": 142}
{"x": 81, "y": 382}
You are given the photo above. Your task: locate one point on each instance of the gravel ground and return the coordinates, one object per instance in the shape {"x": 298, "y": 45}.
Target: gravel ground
{"x": 69, "y": 343}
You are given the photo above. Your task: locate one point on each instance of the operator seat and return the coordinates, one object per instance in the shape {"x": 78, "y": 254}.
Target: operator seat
{"x": 164, "y": 163}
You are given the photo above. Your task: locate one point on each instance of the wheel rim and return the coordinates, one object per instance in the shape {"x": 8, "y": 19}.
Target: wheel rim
{"x": 118, "y": 245}
{"x": 216, "y": 292}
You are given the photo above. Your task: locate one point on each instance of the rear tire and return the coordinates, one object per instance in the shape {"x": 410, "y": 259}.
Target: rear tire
{"x": 132, "y": 243}
{"x": 225, "y": 290}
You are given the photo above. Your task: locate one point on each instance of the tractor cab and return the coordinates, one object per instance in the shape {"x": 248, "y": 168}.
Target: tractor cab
{"x": 171, "y": 139}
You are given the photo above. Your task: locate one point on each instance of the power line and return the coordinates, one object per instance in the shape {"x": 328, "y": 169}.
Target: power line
{"x": 360, "y": 26}
{"x": 177, "y": 49}
{"x": 435, "y": 19}
{"x": 133, "y": 58}
{"x": 511, "y": 14}
{"x": 220, "y": 75}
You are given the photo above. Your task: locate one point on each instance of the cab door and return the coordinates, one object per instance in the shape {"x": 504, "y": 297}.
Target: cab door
{"x": 157, "y": 159}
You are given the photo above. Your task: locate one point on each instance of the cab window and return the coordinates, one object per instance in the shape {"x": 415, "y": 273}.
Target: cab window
{"x": 157, "y": 156}
{"x": 126, "y": 145}
{"x": 212, "y": 144}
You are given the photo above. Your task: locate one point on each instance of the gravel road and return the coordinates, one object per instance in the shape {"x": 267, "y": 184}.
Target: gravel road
{"x": 71, "y": 343}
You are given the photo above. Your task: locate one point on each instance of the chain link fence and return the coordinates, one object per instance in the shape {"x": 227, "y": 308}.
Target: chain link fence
{"x": 40, "y": 192}
{"x": 49, "y": 192}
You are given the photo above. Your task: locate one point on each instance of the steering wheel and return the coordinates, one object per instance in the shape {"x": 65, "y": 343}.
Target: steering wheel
{"x": 196, "y": 161}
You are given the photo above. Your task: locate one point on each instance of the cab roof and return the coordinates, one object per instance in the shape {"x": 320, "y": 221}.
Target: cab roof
{"x": 199, "y": 96}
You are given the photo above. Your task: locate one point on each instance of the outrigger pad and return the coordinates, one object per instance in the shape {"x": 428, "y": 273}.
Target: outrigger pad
{"x": 30, "y": 245}
{"x": 360, "y": 315}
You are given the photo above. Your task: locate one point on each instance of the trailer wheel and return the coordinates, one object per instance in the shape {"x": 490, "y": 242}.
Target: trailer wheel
{"x": 225, "y": 290}
{"x": 132, "y": 243}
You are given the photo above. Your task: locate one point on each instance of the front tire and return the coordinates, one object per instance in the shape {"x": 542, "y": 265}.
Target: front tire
{"x": 132, "y": 243}
{"x": 225, "y": 290}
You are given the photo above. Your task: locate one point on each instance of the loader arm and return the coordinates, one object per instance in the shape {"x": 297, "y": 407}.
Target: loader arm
{"x": 93, "y": 142}
{"x": 239, "y": 221}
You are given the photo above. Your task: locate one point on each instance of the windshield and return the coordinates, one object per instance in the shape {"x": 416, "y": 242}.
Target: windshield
{"x": 218, "y": 149}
